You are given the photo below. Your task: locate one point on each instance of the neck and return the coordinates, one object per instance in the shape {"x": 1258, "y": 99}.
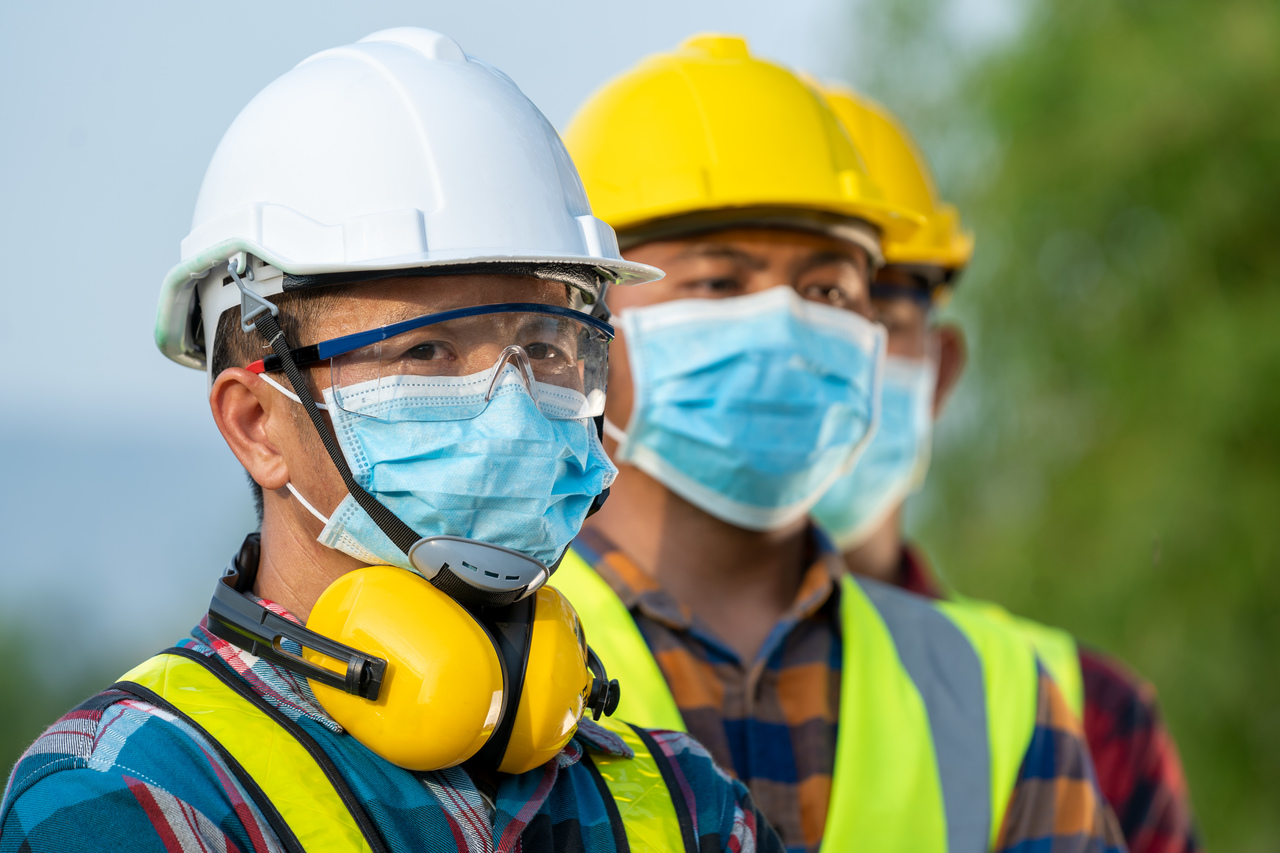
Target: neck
{"x": 739, "y": 582}
{"x": 294, "y": 568}
{"x": 879, "y": 556}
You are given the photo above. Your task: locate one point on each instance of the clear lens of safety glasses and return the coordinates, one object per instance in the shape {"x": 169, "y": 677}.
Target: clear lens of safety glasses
{"x": 452, "y": 368}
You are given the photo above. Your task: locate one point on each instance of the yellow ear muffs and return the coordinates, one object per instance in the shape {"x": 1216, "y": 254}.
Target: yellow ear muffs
{"x": 442, "y": 693}
{"x": 557, "y": 683}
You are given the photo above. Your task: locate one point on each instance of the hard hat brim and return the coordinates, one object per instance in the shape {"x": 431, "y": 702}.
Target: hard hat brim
{"x": 177, "y": 292}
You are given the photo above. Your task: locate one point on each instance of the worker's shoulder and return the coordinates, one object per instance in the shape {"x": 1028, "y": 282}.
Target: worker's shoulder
{"x": 122, "y": 741}
{"x": 922, "y": 618}
{"x": 1112, "y": 687}
{"x": 699, "y": 774}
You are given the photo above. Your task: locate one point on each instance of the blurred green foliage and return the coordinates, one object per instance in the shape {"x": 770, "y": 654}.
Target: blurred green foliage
{"x": 1111, "y": 463}
{"x": 32, "y": 697}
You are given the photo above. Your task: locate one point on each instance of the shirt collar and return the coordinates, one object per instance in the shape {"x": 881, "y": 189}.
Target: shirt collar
{"x": 915, "y": 574}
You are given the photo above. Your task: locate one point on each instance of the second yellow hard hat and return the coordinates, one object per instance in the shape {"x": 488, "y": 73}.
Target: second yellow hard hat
{"x": 709, "y": 128}
{"x": 895, "y": 163}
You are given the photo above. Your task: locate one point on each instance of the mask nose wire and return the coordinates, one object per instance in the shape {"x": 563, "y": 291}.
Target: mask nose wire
{"x": 516, "y": 356}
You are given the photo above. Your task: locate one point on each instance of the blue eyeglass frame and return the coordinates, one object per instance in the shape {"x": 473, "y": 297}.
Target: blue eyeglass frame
{"x": 334, "y": 347}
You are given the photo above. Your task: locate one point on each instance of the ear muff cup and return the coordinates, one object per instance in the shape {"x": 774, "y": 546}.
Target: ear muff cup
{"x": 557, "y": 682}
{"x": 443, "y": 691}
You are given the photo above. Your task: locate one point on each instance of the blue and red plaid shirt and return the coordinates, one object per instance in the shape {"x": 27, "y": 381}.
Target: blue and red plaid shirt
{"x": 1137, "y": 761}
{"x": 773, "y": 721}
{"x": 117, "y": 773}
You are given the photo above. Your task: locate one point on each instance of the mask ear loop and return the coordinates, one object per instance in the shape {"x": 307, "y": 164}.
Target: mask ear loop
{"x": 613, "y": 431}
{"x": 286, "y": 392}
{"x": 297, "y": 494}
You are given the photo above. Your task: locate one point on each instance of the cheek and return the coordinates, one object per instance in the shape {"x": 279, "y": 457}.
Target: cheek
{"x": 618, "y": 402}
{"x": 311, "y": 470}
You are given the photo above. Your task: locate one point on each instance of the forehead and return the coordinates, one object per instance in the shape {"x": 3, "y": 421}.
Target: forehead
{"x": 770, "y": 246}
{"x": 356, "y": 307}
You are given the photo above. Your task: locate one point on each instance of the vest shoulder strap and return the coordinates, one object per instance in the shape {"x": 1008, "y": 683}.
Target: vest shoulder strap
{"x": 610, "y": 630}
{"x": 645, "y": 792}
{"x": 297, "y": 789}
{"x": 1057, "y": 649}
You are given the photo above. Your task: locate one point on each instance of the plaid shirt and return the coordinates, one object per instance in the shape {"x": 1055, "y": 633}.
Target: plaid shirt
{"x": 1137, "y": 761}
{"x": 773, "y": 720}
{"x": 120, "y": 774}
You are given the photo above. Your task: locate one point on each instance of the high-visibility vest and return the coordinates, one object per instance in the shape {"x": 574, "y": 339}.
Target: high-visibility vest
{"x": 937, "y": 709}
{"x": 308, "y": 804}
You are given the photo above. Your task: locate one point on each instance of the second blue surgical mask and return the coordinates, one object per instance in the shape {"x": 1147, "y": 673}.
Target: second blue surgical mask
{"x": 750, "y": 407}
{"x": 895, "y": 462}
{"x": 508, "y": 476}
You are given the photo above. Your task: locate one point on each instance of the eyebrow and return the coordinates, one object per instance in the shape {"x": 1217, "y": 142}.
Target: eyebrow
{"x": 719, "y": 250}
{"x": 821, "y": 259}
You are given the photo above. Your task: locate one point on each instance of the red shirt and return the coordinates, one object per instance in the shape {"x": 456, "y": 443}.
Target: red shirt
{"x": 1139, "y": 770}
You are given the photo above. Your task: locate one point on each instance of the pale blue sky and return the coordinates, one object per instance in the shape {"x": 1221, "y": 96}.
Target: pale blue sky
{"x": 119, "y": 504}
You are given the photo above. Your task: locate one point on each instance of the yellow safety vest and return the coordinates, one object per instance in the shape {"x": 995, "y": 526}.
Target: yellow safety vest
{"x": 306, "y": 801}
{"x": 937, "y": 709}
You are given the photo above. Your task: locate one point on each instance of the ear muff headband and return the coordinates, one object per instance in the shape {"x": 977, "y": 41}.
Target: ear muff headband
{"x": 512, "y": 629}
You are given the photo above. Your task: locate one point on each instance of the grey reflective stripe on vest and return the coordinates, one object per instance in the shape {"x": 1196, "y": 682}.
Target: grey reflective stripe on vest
{"x": 947, "y": 672}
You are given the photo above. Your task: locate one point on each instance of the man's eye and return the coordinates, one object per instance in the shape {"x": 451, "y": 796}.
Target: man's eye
{"x": 832, "y": 294}
{"x": 714, "y": 286}
{"x": 542, "y": 351}
{"x": 429, "y": 351}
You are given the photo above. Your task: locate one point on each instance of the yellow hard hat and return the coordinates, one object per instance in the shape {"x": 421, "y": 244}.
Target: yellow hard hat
{"x": 708, "y": 133}
{"x": 897, "y": 166}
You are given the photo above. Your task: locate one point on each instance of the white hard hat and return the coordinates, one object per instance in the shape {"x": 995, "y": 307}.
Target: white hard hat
{"x": 398, "y": 152}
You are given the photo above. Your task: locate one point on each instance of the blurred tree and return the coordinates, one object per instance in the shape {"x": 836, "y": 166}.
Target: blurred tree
{"x": 30, "y": 701}
{"x": 1112, "y": 462}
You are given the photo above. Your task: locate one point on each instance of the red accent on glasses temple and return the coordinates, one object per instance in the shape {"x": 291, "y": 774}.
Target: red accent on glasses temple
{"x": 256, "y": 367}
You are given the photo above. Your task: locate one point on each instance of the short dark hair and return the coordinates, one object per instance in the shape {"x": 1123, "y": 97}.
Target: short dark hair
{"x": 233, "y": 347}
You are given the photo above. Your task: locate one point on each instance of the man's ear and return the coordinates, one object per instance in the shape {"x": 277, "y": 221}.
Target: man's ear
{"x": 953, "y": 354}
{"x": 245, "y": 409}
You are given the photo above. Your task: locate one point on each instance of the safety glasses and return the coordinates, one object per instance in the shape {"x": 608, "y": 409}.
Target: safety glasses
{"x": 450, "y": 365}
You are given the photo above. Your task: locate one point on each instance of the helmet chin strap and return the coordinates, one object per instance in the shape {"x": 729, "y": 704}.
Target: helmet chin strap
{"x": 442, "y": 560}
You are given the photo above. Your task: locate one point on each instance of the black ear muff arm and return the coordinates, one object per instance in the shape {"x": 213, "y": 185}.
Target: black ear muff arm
{"x": 605, "y": 692}
{"x": 239, "y": 620}
{"x": 511, "y": 629}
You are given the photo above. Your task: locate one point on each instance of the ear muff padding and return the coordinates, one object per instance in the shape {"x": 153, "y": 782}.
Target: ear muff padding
{"x": 443, "y": 692}
{"x": 557, "y": 682}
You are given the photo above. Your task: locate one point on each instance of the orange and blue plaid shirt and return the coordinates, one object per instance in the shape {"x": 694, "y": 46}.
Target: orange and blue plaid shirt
{"x": 773, "y": 721}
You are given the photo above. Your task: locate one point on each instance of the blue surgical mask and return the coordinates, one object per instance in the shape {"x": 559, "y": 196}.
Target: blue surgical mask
{"x": 895, "y": 462}
{"x": 750, "y": 407}
{"x": 508, "y": 476}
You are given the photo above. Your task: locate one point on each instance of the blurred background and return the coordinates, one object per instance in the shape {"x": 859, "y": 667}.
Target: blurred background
{"x": 1111, "y": 463}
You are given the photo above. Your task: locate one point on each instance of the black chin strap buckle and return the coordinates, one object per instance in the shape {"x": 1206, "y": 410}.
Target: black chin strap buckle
{"x": 605, "y": 692}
